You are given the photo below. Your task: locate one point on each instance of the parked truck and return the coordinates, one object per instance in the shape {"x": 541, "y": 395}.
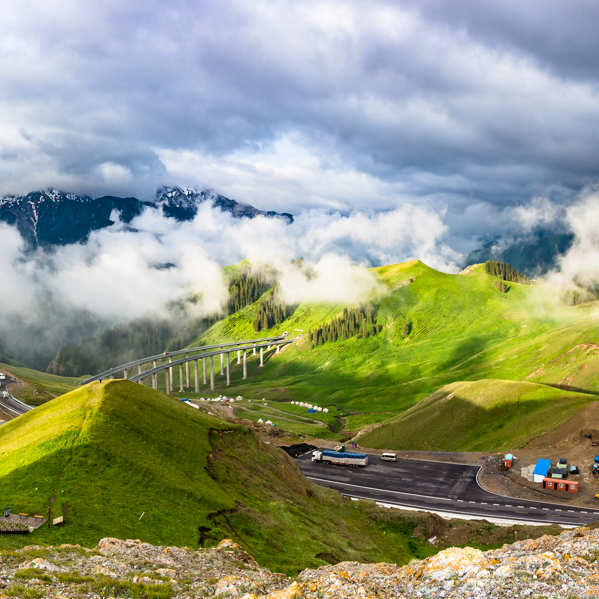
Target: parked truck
{"x": 356, "y": 460}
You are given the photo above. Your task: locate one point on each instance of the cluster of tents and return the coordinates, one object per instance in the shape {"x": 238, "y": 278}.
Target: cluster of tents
{"x": 311, "y": 408}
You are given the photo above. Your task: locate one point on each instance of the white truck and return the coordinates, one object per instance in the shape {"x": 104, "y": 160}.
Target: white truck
{"x": 327, "y": 456}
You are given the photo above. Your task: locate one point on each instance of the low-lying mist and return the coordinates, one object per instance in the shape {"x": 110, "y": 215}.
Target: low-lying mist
{"x": 125, "y": 272}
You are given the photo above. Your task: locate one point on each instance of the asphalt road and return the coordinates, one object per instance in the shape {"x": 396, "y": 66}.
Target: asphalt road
{"x": 8, "y": 404}
{"x": 437, "y": 487}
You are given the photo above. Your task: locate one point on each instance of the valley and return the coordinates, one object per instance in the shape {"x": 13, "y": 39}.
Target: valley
{"x": 437, "y": 366}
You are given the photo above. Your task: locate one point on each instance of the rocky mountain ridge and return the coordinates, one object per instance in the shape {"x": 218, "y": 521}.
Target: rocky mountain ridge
{"x": 548, "y": 567}
{"x": 52, "y": 217}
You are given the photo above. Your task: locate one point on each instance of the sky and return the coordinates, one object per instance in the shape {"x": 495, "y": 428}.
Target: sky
{"x": 337, "y": 105}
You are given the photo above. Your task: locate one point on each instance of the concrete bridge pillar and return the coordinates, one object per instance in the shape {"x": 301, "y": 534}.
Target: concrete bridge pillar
{"x": 154, "y": 363}
{"x": 139, "y": 369}
{"x": 155, "y": 381}
{"x": 278, "y": 347}
{"x": 245, "y": 364}
{"x": 228, "y": 369}
{"x": 238, "y": 356}
{"x": 170, "y": 370}
{"x": 166, "y": 381}
{"x": 212, "y": 373}
{"x": 187, "y": 372}
{"x": 204, "y": 369}
{"x": 254, "y": 350}
{"x": 180, "y": 378}
{"x": 221, "y": 364}
{"x": 261, "y": 357}
{"x": 125, "y": 374}
{"x": 195, "y": 371}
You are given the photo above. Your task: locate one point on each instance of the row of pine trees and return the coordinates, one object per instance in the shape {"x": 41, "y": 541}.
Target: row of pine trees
{"x": 271, "y": 311}
{"x": 246, "y": 287}
{"x": 359, "y": 321}
{"x": 504, "y": 271}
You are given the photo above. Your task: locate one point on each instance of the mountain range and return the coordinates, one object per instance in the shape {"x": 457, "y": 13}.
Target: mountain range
{"x": 52, "y": 217}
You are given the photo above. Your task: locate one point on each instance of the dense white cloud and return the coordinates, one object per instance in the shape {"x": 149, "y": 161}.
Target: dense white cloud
{"x": 122, "y": 272}
{"x": 580, "y": 265}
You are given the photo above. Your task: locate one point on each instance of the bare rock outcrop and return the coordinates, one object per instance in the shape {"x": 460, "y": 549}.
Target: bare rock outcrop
{"x": 548, "y": 567}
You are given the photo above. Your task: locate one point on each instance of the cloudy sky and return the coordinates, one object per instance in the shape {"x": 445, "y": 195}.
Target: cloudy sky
{"x": 468, "y": 107}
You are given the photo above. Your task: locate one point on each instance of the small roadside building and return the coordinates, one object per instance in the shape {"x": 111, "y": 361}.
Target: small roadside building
{"x": 561, "y": 485}
{"x": 541, "y": 470}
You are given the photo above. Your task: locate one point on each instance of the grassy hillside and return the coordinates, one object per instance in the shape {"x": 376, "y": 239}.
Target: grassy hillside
{"x": 461, "y": 328}
{"x": 486, "y": 415}
{"x": 118, "y": 459}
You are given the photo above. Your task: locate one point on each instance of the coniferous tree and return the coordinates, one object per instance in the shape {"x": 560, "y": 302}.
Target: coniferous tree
{"x": 505, "y": 272}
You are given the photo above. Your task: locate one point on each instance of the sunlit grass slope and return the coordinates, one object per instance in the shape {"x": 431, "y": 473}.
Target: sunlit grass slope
{"x": 484, "y": 415}
{"x": 463, "y": 328}
{"x": 119, "y": 459}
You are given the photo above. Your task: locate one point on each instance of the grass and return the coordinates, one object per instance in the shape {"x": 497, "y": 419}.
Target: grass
{"x": 487, "y": 415}
{"x": 295, "y": 426}
{"x": 107, "y": 453}
{"x": 462, "y": 329}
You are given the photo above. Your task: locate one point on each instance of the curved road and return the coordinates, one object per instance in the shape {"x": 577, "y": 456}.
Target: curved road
{"x": 10, "y": 404}
{"x": 437, "y": 487}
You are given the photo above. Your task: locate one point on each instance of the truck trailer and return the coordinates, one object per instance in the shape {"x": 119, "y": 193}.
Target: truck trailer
{"x": 356, "y": 460}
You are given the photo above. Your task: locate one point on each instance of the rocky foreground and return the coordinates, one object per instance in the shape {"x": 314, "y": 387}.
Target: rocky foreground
{"x": 564, "y": 566}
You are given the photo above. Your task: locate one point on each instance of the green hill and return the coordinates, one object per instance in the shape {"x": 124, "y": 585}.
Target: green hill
{"x": 459, "y": 328}
{"x": 425, "y": 330}
{"x": 119, "y": 459}
{"x": 486, "y": 415}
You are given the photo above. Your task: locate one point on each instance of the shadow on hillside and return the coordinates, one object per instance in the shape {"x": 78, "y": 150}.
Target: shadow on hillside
{"x": 572, "y": 389}
{"x": 466, "y": 349}
{"x": 460, "y": 424}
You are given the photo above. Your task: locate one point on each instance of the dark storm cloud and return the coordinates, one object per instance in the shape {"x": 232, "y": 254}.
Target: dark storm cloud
{"x": 291, "y": 105}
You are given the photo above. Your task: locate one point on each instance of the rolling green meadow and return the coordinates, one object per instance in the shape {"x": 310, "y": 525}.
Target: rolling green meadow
{"x": 433, "y": 330}
{"x": 453, "y": 362}
{"x": 462, "y": 328}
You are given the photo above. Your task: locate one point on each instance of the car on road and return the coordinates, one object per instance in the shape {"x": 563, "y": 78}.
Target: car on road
{"x": 4, "y": 393}
{"x": 389, "y": 457}
{"x": 2, "y": 376}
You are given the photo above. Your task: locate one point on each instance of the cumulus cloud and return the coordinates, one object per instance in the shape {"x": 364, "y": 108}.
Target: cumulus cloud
{"x": 331, "y": 279}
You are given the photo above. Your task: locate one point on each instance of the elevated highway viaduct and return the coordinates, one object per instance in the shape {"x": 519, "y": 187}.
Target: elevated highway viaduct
{"x": 191, "y": 356}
